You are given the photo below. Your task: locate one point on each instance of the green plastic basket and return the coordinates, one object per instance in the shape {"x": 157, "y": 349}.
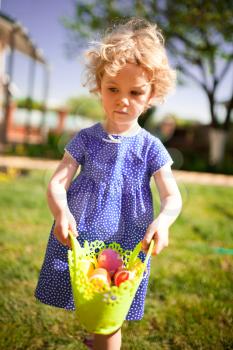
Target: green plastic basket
{"x": 103, "y": 310}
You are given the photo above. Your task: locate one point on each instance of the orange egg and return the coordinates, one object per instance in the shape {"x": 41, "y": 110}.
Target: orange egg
{"x": 101, "y": 276}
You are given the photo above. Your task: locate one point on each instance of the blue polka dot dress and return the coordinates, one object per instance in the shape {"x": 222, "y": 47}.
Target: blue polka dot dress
{"x": 110, "y": 199}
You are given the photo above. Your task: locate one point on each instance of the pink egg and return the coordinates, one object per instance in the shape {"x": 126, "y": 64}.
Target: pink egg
{"x": 110, "y": 260}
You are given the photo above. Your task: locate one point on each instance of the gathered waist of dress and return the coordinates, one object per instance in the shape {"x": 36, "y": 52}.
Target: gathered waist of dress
{"x": 115, "y": 181}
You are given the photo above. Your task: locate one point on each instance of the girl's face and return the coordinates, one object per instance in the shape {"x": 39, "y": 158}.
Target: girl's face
{"x": 126, "y": 95}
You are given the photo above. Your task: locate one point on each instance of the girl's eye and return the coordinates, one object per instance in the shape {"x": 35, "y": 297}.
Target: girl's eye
{"x": 133, "y": 92}
{"x": 136, "y": 93}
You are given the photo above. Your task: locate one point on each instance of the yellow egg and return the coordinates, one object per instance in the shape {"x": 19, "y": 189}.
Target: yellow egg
{"x": 87, "y": 267}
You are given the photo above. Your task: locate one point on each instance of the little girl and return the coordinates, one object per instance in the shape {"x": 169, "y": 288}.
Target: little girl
{"x": 110, "y": 199}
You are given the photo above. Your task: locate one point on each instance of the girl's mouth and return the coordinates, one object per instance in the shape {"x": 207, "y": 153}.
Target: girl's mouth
{"x": 121, "y": 112}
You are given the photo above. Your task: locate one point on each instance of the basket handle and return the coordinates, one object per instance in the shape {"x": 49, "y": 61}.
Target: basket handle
{"x": 74, "y": 242}
{"x": 152, "y": 243}
{"x": 76, "y": 247}
{"x": 149, "y": 252}
{"x": 137, "y": 250}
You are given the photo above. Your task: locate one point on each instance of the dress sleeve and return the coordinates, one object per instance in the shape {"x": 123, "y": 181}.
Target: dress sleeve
{"x": 158, "y": 156}
{"x": 76, "y": 147}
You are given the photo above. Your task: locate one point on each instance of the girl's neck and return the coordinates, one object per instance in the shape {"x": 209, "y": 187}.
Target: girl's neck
{"x": 126, "y": 130}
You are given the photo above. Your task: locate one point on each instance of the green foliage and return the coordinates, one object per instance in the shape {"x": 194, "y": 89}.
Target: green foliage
{"x": 28, "y": 103}
{"x": 145, "y": 118}
{"x": 86, "y": 106}
{"x": 198, "y": 34}
{"x": 188, "y": 304}
{"x": 199, "y": 162}
{"x": 180, "y": 122}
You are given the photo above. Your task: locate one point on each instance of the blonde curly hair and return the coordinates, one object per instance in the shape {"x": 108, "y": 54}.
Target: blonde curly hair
{"x": 136, "y": 41}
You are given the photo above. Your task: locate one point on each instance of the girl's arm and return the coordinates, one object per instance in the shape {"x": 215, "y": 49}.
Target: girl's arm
{"x": 171, "y": 204}
{"x": 57, "y": 200}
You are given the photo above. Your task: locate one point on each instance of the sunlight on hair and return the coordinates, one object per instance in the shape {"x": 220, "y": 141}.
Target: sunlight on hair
{"x": 136, "y": 41}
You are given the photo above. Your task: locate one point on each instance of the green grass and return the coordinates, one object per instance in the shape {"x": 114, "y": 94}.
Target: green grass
{"x": 188, "y": 305}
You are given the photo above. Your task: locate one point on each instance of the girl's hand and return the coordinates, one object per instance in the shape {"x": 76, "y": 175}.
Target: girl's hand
{"x": 65, "y": 222}
{"x": 160, "y": 233}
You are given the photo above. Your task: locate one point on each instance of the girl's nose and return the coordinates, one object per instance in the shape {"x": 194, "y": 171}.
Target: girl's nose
{"x": 124, "y": 101}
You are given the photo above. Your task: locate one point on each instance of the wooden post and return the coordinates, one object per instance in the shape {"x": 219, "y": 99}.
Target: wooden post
{"x": 2, "y": 68}
{"x": 2, "y": 89}
{"x": 7, "y": 98}
{"x": 10, "y": 117}
{"x": 62, "y": 114}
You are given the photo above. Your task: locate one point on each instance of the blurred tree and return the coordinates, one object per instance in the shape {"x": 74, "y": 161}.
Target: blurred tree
{"x": 198, "y": 37}
{"x": 86, "y": 106}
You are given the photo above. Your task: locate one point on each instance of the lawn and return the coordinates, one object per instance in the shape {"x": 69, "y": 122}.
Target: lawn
{"x": 189, "y": 302}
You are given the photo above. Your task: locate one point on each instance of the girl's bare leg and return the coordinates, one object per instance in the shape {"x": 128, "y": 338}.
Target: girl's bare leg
{"x": 108, "y": 342}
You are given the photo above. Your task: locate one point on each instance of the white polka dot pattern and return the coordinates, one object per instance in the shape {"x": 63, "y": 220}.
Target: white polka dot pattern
{"x": 111, "y": 201}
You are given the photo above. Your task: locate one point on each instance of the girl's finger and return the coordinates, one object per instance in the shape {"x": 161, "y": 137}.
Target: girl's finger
{"x": 68, "y": 243}
{"x": 73, "y": 229}
{"x": 150, "y": 234}
{"x": 61, "y": 240}
{"x": 154, "y": 251}
{"x": 145, "y": 245}
{"x": 159, "y": 247}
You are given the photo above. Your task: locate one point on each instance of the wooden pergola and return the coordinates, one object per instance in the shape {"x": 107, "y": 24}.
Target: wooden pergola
{"x": 14, "y": 37}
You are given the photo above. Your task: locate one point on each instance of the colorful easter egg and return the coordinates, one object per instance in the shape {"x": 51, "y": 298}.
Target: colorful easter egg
{"x": 123, "y": 275}
{"x": 100, "y": 276}
{"x": 87, "y": 266}
{"x": 110, "y": 260}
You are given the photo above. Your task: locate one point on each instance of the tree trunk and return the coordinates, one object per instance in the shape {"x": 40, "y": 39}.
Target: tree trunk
{"x": 217, "y": 143}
